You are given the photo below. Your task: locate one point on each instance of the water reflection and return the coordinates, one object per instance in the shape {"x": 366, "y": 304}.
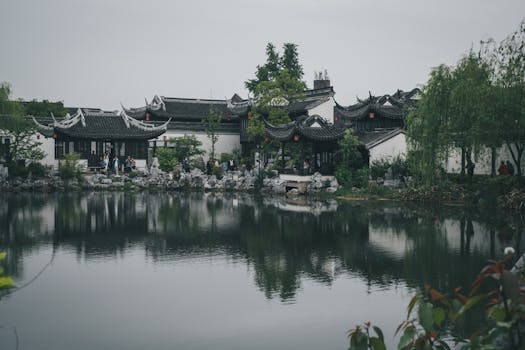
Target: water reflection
{"x": 283, "y": 241}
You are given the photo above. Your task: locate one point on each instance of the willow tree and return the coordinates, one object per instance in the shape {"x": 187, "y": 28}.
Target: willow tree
{"x": 510, "y": 77}
{"x": 470, "y": 109}
{"x": 427, "y": 125}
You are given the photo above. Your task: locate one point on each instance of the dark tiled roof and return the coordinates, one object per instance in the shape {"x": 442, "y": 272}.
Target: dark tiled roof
{"x": 182, "y": 109}
{"x": 100, "y": 126}
{"x": 373, "y": 138}
{"x": 389, "y": 106}
{"x": 303, "y": 126}
{"x": 312, "y": 99}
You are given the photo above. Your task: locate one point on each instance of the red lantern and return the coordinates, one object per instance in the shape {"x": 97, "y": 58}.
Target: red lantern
{"x": 147, "y": 116}
{"x": 336, "y": 118}
{"x": 228, "y": 117}
{"x": 371, "y": 115}
{"x": 296, "y": 138}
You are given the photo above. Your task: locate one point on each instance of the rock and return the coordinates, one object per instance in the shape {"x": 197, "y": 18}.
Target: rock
{"x": 106, "y": 181}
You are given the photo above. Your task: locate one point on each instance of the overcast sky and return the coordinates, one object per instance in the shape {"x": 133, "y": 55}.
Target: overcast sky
{"x": 99, "y": 53}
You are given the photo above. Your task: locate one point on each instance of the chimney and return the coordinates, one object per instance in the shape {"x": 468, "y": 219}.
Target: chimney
{"x": 321, "y": 80}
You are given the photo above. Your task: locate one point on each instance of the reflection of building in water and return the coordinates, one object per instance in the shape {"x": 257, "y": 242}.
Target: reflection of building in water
{"x": 281, "y": 242}
{"x": 302, "y": 205}
{"x": 173, "y": 214}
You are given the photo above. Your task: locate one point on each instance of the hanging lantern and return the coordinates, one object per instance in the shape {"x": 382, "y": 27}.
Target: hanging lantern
{"x": 371, "y": 115}
{"x": 266, "y": 139}
{"x": 55, "y": 135}
{"x": 38, "y": 136}
{"x": 336, "y": 118}
{"x": 249, "y": 115}
{"x": 164, "y": 138}
{"x": 148, "y": 116}
{"x": 229, "y": 116}
{"x": 296, "y": 138}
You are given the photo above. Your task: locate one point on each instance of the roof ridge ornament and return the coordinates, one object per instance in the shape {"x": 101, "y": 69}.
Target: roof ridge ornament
{"x": 47, "y": 127}
{"x": 143, "y": 126}
{"x": 82, "y": 118}
{"x": 124, "y": 116}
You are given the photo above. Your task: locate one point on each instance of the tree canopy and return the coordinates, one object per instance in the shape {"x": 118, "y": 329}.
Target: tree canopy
{"x": 277, "y": 85}
{"x": 479, "y": 103}
{"x": 20, "y": 129}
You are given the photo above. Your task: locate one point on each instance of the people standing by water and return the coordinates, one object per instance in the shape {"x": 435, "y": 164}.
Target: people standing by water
{"x": 306, "y": 167}
{"x": 116, "y": 165}
{"x": 127, "y": 165}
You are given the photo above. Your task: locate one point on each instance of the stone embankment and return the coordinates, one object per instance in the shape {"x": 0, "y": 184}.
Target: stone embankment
{"x": 194, "y": 180}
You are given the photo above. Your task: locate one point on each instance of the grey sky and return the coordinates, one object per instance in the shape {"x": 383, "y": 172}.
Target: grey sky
{"x": 99, "y": 53}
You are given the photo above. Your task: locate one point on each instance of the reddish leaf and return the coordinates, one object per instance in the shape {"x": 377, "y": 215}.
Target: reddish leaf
{"x": 435, "y": 294}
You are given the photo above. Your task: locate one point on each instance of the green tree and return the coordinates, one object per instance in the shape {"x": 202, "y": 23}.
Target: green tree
{"x": 212, "y": 122}
{"x": 277, "y": 86}
{"x": 454, "y": 112}
{"x": 44, "y": 108}
{"x": 351, "y": 171}
{"x": 19, "y": 128}
{"x": 510, "y": 80}
{"x": 167, "y": 159}
{"x": 186, "y": 147}
{"x": 427, "y": 125}
{"x": 470, "y": 106}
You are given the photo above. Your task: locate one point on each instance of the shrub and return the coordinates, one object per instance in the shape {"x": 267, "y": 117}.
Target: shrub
{"x": 17, "y": 169}
{"x": 225, "y": 157}
{"x": 349, "y": 177}
{"x": 167, "y": 159}
{"x": 198, "y": 163}
{"x": 69, "y": 168}
{"x": 397, "y": 165}
{"x": 217, "y": 171}
{"x": 37, "y": 170}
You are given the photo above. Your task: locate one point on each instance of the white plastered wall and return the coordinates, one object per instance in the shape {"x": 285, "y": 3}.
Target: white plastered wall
{"x": 482, "y": 163}
{"x": 48, "y": 147}
{"x": 325, "y": 110}
{"x": 389, "y": 149}
{"x": 226, "y": 142}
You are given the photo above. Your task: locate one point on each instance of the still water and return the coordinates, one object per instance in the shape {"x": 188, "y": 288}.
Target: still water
{"x": 203, "y": 271}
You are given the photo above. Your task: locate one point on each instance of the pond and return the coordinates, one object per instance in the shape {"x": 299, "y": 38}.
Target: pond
{"x": 226, "y": 271}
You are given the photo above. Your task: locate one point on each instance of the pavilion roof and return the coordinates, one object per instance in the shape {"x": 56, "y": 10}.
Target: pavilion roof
{"x": 312, "y": 98}
{"x": 393, "y": 106}
{"x": 311, "y": 127}
{"x": 100, "y": 125}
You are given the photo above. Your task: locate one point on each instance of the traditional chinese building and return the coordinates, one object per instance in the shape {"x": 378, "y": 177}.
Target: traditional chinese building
{"x": 91, "y": 133}
{"x": 378, "y": 122}
{"x": 321, "y": 136}
{"x": 185, "y": 116}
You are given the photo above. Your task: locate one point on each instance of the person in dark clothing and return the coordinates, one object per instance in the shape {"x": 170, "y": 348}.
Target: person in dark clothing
{"x": 502, "y": 170}
{"x": 209, "y": 166}
{"x": 510, "y": 168}
{"x": 127, "y": 165}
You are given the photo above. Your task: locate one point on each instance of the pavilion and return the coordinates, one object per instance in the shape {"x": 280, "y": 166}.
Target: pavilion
{"x": 314, "y": 130}
{"x": 91, "y": 133}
